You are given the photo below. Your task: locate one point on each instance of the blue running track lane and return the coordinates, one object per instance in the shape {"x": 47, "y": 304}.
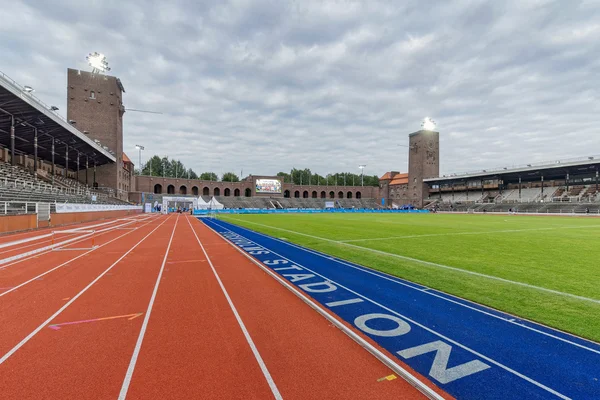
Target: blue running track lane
{"x": 468, "y": 350}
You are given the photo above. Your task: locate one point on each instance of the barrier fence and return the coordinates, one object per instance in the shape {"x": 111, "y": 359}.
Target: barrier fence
{"x": 305, "y": 211}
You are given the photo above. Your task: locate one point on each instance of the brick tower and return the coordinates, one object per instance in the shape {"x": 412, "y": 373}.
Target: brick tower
{"x": 95, "y": 103}
{"x": 423, "y": 163}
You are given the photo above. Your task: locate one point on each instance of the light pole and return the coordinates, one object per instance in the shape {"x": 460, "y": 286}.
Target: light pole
{"x": 140, "y": 148}
{"x": 362, "y": 170}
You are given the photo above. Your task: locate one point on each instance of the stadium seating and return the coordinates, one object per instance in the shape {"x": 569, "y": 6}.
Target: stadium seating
{"x": 18, "y": 185}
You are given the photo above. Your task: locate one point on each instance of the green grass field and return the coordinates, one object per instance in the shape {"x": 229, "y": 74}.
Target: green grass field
{"x": 561, "y": 254}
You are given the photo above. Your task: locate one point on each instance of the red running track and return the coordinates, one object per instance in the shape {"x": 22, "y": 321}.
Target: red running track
{"x": 171, "y": 311}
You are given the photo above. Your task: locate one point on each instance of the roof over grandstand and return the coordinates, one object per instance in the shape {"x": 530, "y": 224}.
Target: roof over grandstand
{"x": 549, "y": 170}
{"x": 32, "y": 114}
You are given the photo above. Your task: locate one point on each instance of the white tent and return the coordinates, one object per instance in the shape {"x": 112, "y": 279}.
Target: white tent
{"x": 213, "y": 204}
{"x": 202, "y": 205}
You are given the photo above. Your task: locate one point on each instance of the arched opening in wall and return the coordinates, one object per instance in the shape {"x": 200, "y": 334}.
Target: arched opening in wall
{"x": 331, "y": 195}
{"x": 236, "y": 192}
{"x": 314, "y": 194}
{"x": 349, "y": 195}
{"x": 182, "y": 189}
{"x": 170, "y": 189}
{"x": 305, "y": 194}
{"x": 216, "y": 192}
{"x": 340, "y": 195}
{"x": 248, "y": 192}
{"x": 205, "y": 191}
{"x": 195, "y": 190}
{"x": 323, "y": 194}
{"x": 158, "y": 188}
{"x": 358, "y": 195}
{"x": 286, "y": 194}
{"x": 297, "y": 194}
{"x": 227, "y": 192}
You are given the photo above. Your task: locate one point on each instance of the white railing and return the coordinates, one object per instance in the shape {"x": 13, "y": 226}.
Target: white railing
{"x": 17, "y": 207}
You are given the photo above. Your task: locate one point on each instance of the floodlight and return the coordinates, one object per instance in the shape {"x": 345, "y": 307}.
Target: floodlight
{"x": 590, "y": 158}
{"x": 139, "y": 147}
{"x": 529, "y": 165}
{"x": 362, "y": 166}
{"x": 28, "y": 89}
{"x": 428, "y": 124}
{"x": 72, "y": 122}
{"x": 53, "y": 108}
{"x": 97, "y": 141}
{"x": 98, "y": 62}
{"x": 86, "y": 133}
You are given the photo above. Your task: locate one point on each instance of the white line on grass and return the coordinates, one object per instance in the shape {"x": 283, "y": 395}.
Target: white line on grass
{"x": 520, "y": 375}
{"x": 465, "y": 233}
{"x": 259, "y": 360}
{"x": 68, "y": 262}
{"x": 85, "y": 289}
{"x": 434, "y": 293}
{"x": 138, "y": 344}
{"x": 432, "y": 264}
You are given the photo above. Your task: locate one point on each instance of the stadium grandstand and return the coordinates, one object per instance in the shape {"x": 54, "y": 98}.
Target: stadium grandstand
{"x": 563, "y": 186}
{"x": 49, "y": 160}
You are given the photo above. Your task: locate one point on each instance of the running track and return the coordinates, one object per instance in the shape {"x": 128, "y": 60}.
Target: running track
{"x": 165, "y": 308}
{"x": 470, "y": 351}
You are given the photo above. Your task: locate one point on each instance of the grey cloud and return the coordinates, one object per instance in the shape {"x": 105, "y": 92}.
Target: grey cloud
{"x": 268, "y": 85}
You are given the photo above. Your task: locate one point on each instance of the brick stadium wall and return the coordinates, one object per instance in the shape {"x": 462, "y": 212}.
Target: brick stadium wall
{"x": 74, "y": 218}
{"x": 102, "y": 117}
{"x": 146, "y": 184}
{"x": 15, "y": 223}
{"x": 423, "y": 162}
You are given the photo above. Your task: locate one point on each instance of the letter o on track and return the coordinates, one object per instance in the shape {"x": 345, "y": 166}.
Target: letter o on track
{"x": 401, "y": 329}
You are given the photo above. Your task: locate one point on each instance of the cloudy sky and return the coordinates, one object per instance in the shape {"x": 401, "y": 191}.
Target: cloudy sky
{"x": 267, "y": 85}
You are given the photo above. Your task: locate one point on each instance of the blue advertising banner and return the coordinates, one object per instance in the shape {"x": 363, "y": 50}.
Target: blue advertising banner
{"x": 304, "y": 211}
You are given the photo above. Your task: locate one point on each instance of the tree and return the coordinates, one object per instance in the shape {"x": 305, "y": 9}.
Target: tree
{"x": 154, "y": 166}
{"x": 209, "y": 176}
{"x": 157, "y": 166}
{"x": 230, "y": 177}
{"x": 285, "y": 176}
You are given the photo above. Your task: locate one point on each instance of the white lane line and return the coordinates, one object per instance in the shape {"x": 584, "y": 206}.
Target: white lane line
{"x": 34, "y": 255}
{"x": 85, "y": 289}
{"x": 68, "y": 262}
{"x": 138, "y": 344}
{"x": 434, "y": 292}
{"x": 34, "y": 238}
{"x": 48, "y": 248}
{"x": 506, "y": 368}
{"x": 255, "y": 351}
{"x": 467, "y": 233}
{"x": 343, "y": 302}
{"x": 431, "y": 264}
{"x": 394, "y": 366}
